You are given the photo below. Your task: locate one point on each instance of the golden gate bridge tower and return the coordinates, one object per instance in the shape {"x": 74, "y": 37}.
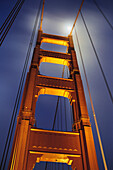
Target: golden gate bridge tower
{"x": 32, "y": 145}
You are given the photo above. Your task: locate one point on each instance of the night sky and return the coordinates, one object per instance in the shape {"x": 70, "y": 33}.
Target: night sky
{"x": 59, "y": 16}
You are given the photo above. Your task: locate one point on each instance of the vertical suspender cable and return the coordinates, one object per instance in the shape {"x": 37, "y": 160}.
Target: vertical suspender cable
{"x": 61, "y": 111}
{"x": 37, "y": 21}
{"x": 10, "y": 23}
{"x": 96, "y": 124}
{"x": 63, "y": 71}
{"x": 58, "y": 121}
{"x": 13, "y": 118}
{"x": 57, "y": 102}
{"x": 65, "y": 113}
{"x": 55, "y": 113}
{"x": 9, "y": 17}
{"x": 64, "y": 99}
{"x": 103, "y": 74}
{"x": 71, "y": 116}
{"x": 103, "y": 14}
{"x": 54, "y": 122}
{"x": 56, "y": 110}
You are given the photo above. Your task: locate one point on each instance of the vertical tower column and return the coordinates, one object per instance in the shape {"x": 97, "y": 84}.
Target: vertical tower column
{"x": 83, "y": 124}
{"x": 26, "y": 118}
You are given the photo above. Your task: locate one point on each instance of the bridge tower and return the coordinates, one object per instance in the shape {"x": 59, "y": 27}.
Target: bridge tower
{"x": 33, "y": 145}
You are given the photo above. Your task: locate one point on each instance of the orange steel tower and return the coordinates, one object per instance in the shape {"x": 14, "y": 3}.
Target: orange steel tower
{"x": 33, "y": 145}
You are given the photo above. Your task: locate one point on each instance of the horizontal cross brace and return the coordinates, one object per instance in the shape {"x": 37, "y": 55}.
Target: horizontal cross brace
{"x": 53, "y": 82}
{"x": 45, "y": 53}
{"x": 51, "y": 36}
{"x": 54, "y": 142}
{"x": 54, "y": 146}
{"x": 53, "y": 39}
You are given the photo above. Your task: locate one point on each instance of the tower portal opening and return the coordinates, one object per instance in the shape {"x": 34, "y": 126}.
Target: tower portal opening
{"x": 54, "y": 70}
{"x": 53, "y": 47}
{"x": 52, "y": 165}
{"x": 53, "y": 113}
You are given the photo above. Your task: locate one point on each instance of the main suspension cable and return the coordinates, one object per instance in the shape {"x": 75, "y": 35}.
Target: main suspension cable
{"x": 13, "y": 118}
{"x": 91, "y": 101}
{"x": 107, "y": 20}
{"x": 103, "y": 74}
{"x": 76, "y": 17}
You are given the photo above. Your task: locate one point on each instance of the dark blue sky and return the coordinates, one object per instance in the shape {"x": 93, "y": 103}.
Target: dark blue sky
{"x": 59, "y": 15}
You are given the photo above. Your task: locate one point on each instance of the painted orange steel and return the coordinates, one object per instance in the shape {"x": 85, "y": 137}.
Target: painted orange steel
{"x": 55, "y": 92}
{"x": 54, "y": 41}
{"x": 58, "y": 55}
{"x": 33, "y": 145}
{"x": 54, "y": 146}
{"x": 54, "y": 60}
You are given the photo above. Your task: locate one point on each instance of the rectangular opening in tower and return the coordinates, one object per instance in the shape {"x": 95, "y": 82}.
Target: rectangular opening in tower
{"x": 53, "y": 113}
{"x": 54, "y": 70}
{"x": 53, "y": 47}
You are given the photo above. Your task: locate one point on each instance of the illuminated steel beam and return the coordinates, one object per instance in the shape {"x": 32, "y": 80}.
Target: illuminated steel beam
{"x": 54, "y": 146}
{"x": 59, "y": 83}
{"x": 53, "y": 54}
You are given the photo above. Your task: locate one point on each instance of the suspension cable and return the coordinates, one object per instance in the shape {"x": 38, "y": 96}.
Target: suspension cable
{"x": 107, "y": 20}
{"x": 37, "y": 22}
{"x": 58, "y": 121}
{"x": 9, "y": 16}
{"x": 61, "y": 111}
{"x": 76, "y": 17}
{"x": 65, "y": 113}
{"x": 103, "y": 74}
{"x": 33, "y": 36}
{"x": 57, "y": 102}
{"x": 13, "y": 118}
{"x": 71, "y": 115}
{"x": 92, "y": 106}
{"x": 10, "y": 23}
{"x": 67, "y": 73}
{"x": 56, "y": 111}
